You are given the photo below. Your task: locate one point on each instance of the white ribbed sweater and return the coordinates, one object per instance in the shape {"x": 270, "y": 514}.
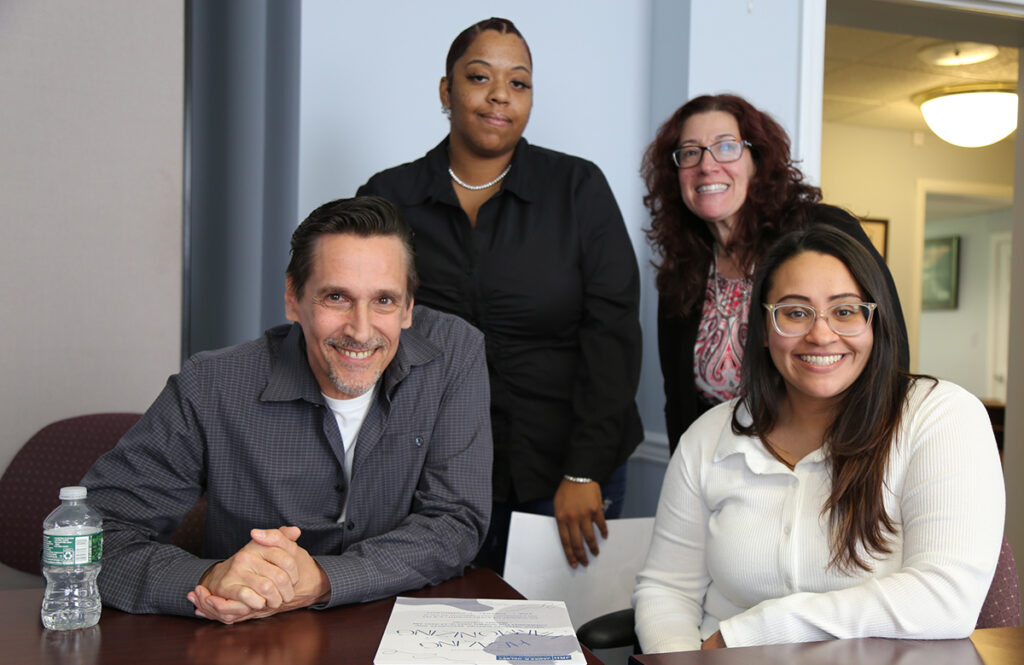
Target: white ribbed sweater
{"x": 740, "y": 544}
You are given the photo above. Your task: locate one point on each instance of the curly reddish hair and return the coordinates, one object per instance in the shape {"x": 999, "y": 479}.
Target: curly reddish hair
{"x": 777, "y": 200}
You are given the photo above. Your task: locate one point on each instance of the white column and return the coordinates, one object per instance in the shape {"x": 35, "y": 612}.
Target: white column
{"x": 771, "y": 53}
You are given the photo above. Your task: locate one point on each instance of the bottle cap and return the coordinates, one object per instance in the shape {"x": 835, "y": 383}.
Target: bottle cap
{"x": 74, "y": 493}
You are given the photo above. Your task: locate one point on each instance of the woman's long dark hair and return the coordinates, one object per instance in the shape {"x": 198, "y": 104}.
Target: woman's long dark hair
{"x": 776, "y": 200}
{"x": 860, "y": 439}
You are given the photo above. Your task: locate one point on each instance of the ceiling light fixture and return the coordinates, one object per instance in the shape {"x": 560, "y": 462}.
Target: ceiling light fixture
{"x": 970, "y": 115}
{"x": 955, "y": 54}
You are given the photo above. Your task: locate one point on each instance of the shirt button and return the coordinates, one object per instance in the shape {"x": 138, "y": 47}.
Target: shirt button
{"x": 786, "y": 530}
{"x": 419, "y": 441}
{"x": 351, "y": 525}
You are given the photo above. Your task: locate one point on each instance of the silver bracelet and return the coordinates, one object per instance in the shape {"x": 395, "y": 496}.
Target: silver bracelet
{"x": 577, "y": 479}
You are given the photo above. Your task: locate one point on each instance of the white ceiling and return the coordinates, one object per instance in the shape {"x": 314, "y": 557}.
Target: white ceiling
{"x": 870, "y": 76}
{"x": 958, "y": 206}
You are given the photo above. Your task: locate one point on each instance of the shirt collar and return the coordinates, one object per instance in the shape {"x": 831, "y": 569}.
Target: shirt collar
{"x": 438, "y": 185}
{"x": 414, "y": 348}
{"x": 757, "y": 458}
{"x": 291, "y": 377}
{"x": 521, "y": 180}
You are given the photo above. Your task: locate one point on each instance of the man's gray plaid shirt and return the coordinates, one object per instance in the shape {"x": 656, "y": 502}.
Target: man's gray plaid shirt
{"x": 248, "y": 425}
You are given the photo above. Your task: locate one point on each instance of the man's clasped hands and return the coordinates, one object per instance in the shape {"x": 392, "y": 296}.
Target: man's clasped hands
{"x": 271, "y": 574}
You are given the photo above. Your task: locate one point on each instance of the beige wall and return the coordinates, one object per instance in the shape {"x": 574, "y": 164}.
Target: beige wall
{"x": 90, "y": 206}
{"x": 1013, "y": 460}
{"x": 884, "y": 173}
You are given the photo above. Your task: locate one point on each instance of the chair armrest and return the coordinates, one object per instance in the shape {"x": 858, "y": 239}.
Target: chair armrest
{"x": 608, "y": 631}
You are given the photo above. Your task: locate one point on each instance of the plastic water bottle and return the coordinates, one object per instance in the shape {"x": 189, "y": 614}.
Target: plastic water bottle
{"x": 72, "y": 549}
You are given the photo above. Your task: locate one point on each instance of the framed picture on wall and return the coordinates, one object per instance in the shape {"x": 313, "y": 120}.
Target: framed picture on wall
{"x": 877, "y": 231}
{"x": 940, "y": 282}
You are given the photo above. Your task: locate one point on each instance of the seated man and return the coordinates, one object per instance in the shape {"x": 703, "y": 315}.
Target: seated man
{"x": 345, "y": 457}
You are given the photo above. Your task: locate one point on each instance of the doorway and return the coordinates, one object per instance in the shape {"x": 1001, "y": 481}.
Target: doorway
{"x": 974, "y": 318}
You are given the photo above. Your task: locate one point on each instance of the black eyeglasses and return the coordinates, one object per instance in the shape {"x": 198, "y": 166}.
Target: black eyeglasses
{"x": 724, "y": 152}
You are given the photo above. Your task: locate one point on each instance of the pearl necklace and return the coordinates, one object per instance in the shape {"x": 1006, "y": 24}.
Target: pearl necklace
{"x": 477, "y": 188}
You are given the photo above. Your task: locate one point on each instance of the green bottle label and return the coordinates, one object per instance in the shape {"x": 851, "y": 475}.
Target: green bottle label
{"x": 72, "y": 550}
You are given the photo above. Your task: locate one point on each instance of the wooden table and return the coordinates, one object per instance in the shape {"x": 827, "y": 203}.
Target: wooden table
{"x": 988, "y": 646}
{"x": 340, "y": 636}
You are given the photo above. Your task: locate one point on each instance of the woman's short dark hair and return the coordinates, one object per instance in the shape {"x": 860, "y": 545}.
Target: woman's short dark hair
{"x": 363, "y": 216}
{"x": 462, "y": 43}
{"x": 860, "y": 438}
{"x": 776, "y": 197}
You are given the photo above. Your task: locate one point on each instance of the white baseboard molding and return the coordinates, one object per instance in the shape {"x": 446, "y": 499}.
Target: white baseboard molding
{"x": 654, "y": 448}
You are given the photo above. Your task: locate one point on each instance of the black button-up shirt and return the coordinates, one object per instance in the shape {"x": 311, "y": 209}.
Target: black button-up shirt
{"x": 549, "y": 275}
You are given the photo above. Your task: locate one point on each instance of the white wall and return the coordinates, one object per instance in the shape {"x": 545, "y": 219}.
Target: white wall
{"x": 369, "y": 101}
{"x": 90, "y": 194}
{"x": 606, "y": 74}
{"x": 967, "y": 325}
{"x": 370, "y": 74}
{"x": 370, "y": 77}
{"x": 775, "y": 60}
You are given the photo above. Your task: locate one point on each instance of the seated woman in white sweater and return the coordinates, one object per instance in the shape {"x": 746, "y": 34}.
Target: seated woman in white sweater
{"x": 837, "y": 497}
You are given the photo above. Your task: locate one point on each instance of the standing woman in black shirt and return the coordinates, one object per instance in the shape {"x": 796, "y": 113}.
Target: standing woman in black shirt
{"x": 529, "y": 245}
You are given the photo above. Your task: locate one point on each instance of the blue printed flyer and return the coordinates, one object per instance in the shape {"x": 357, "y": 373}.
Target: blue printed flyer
{"x": 439, "y": 631}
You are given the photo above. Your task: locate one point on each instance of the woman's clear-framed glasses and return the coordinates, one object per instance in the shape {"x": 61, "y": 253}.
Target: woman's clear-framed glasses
{"x": 724, "y": 152}
{"x": 847, "y": 319}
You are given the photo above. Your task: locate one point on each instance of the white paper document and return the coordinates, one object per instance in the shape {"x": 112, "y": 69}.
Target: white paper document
{"x": 536, "y": 567}
{"x": 436, "y": 631}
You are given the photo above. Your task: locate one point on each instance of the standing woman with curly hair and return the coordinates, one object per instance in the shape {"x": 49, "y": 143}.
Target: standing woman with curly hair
{"x": 722, "y": 188}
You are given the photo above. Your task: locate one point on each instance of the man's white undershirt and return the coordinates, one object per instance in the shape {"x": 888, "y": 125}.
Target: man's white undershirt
{"x": 350, "y": 414}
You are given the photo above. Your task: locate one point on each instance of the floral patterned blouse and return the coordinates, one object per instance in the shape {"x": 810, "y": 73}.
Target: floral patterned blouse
{"x": 718, "y": 354}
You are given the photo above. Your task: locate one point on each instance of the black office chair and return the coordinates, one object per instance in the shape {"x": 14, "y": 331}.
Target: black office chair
{"x": 609, "y": 631}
